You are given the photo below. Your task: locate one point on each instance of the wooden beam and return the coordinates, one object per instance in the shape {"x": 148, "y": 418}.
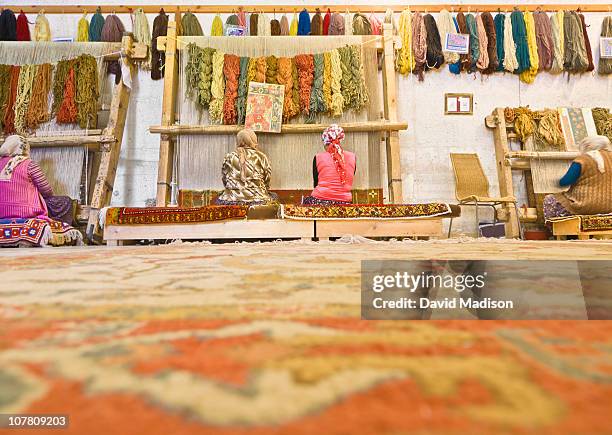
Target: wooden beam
{"x": 175, "y": 130}
{"x": 543, "y": 155}
{"x": 394, "y": 169}
{"x": 94, "y": 143}
{"x": 291, "y": 7}
{"x": 504, "y": 172}
{"x": 109, "y": 160}
{"x": 166, "y": 144}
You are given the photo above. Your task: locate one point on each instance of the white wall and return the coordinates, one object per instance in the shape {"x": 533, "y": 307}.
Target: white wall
{"x": 424, "y": 147}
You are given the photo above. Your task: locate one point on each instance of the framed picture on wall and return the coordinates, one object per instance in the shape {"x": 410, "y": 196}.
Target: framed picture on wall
{"x": 458, "y": 104}
{"x": 457, "y": 43}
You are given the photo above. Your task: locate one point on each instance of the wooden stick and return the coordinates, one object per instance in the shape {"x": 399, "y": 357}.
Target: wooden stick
{"x": 96, "y": 143}
{"x": 176, "y": 130}
{"x": 290, "y": 8}
{"x": 543, "y": 155}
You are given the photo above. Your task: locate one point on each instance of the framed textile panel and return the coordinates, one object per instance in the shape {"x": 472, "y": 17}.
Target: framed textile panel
{"x": 264, "y": 108}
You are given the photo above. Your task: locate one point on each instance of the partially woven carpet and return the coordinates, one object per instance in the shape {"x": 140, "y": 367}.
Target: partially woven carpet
{"x": 598, "y": 222}
{"x": 173, "y": 215}
{"x": 37, "y": 232}
{"x": 366, "y": 211}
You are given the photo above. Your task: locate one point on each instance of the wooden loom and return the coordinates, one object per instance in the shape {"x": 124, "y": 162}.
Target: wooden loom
{"x": 277, "y": 228}
{"x": 104, "y": 143}
{"x": 508, "y": 160}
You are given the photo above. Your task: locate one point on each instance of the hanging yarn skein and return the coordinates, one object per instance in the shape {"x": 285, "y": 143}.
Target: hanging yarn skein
{"x": 470, "y": 20}
{"x": 336, "y": 24}
{"x": 419, "y": 44}
{"x": 556, "y": 24}
{"x": 190, "y": 25}
{"x": 25, "y": 84}
{"x": 576, "y": 60}
{"x": 510, "y": 60}
{"x": 22, "y": 27}
{"x": 587, "y": 44}
{"x": 253, "y": 23}
{"x": 42, "y": 31}
{"x": 285, "y": 78}
{"x": 231, "y": 71}
{"x": 465, "y": 59}
{"x": 337, "y": 100}
{"x": 9, "y": 114}
{"x": 59, "y": 83}
{"x": 263, "y": 25}
{"x": 404, "y": 59}
{"x": 192, "y": 70}
{"x": 348, "y": 23}
{"x": 361, "y": 25}
{"x": 206, "y": 77}
{"x": 519, "y": 34}
{"x": 435, "y": 57}
{"x": 361, "y": 91}
{"x": 316, "y": 24}
{"x": 8, "y": 26}
{"x": 489, "y": 26}
{"x": 158, "y": 58}
{"x": 327, "y": 93}
{"x": 529, "y": 75}
{"x": 217, "y": 88}
{"x": 544, "y": 40}
{"x": 242, "y": 91}
{"x": 275, "y": 28}
{"x": 293, "y": 28}
{"x": 83, "y": 29}
{"x": 142, "y": 34}
{"x": 67, "y": 113}
{"x": 38, "y": 110}
{"x": 87, "y": 90}
{"x": 500, "y": 23}
{"x": 284, "y": 25}
{"x": 605, "y": 64}
{"x": 303, "y": 23}
{"x": 483, "y": 42}
{"x": 95, "y": 26}
{"x": 217, "y": 26}
{"x": 326, "y": 22}
{"x": 349, "y": 91}
{"x": 305, "y": 67}
{"x": 271, "y": 70}
{"x": 317, "y": 98}
{"x": 5, "y": 90}
{"x": 113, "y": 32}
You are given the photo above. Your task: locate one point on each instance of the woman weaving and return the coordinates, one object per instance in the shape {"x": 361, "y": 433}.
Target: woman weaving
{"x": 24, "y": 190}
{"x": 246, "y": 173}
{"x": 590, "y": 181}
{"x": 332, "y": 171}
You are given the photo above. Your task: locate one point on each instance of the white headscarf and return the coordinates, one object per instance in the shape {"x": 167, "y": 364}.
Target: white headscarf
{"x": 17, "y": 147}
{"x": 592, "y": 145}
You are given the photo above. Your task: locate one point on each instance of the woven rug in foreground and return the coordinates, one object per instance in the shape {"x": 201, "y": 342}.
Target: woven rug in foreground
{"x": 173, "y": 215}
{"x": 37, "y": 232}
{"x": 366, "y": 211}
{"x": 257, "y": 339}
{"x": 597, "y": 222}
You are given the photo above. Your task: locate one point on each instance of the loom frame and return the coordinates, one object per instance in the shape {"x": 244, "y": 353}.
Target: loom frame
{"x": 105, "y": 143}
{"x": 508, "y": 160}
{"x": 168, "y": 130}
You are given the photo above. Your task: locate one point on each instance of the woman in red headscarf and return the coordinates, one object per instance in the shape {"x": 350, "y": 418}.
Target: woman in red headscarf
{"x": 332, "y": 171}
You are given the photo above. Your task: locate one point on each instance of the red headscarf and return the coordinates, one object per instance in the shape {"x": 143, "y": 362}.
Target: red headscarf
{"x": 332, "y": 137}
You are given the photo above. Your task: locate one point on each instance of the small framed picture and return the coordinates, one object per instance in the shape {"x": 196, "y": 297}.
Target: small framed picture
{"x": 232, "y": 30}
{"x": 457, "y": 43}
{"x": 458, "y": 104}
{"x": 605, "y": 48}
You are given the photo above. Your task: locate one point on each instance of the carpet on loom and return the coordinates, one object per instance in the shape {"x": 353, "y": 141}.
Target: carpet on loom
{"x": 199, "y": 198}
{"x": 366, "y": 211}
{"x": 596, "y": 222}
{"x": 37, "y": 232}
{"x": 173, "y": 215}
{"x": 258, "y": 339}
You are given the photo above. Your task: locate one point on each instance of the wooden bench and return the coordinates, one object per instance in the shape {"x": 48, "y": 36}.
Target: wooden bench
{"x": 584, "y": 227}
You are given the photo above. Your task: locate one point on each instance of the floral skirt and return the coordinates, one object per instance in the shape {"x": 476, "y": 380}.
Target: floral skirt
{"x": 311, "y": 200}
{"x": 553, "y": 208}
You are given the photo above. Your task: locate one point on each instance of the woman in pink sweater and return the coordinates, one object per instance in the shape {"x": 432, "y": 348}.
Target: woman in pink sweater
{"x": 332, "y": 171}
{"x": 24, "y": 189}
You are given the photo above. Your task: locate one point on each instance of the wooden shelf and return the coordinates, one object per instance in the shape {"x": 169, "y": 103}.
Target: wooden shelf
{"x": 290, "y": 8}
{"x": 175, "y": 130}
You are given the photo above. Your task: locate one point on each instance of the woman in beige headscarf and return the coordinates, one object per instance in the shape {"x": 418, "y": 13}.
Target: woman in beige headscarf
{"x": 246, "y": 173}
{"x": 590, "y": 181}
